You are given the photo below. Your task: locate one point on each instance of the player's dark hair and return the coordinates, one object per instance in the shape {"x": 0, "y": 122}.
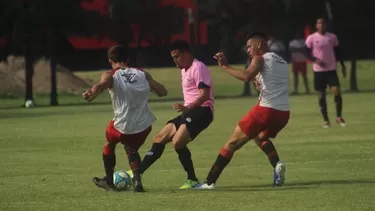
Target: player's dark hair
{"x": 180, "y": 45}
{"x": 118, "y": 53}
{"x": 257, "y": 35}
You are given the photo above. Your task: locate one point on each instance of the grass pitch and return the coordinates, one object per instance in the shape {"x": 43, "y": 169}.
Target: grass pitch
{"x": 49, "y": 155}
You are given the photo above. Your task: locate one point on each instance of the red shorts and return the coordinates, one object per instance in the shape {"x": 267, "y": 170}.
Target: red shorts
{"x": 262, "y": 119}
{"x": 134, "y": 141}
{"x": 300, "y": 67}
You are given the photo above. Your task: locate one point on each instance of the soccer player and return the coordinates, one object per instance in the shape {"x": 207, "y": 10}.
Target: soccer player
{"x": 298, "y": 56}
{"x": 323, "y": 50}
{"x": 267, "y": 118}
{"x": 196, "y": 112}
{"x": 129, "y": 89}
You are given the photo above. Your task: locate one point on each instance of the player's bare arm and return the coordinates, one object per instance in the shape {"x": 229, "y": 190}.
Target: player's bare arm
{"x": 156, "y": 87}
{"x": 338, "y": 55}
{"x": 203, "y": 97}
{"x": 251, "y": 72}
{"x": 106, "y": 82}
{"x": 310, "y": 55}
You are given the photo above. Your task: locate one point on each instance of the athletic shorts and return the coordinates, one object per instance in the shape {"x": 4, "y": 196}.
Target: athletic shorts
{"x": 196, "y": 120}
{"x": 324, "y": 79}
{"x": 262, "y": 119}
{"x": 134, "y": 141}
{"x": 300, "y": 67}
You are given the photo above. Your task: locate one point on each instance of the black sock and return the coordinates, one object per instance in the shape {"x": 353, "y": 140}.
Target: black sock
{"x": 221, "y": 162}
{"x": 109, "y": 166}
{"x": 323, "y": 108}
{"x": 135, "y": 165}
{"x": 338, "y": 101}
{"x": 151, "y": 156}
{"x": 185, "y": 158}
{"x": 270, "y": 150}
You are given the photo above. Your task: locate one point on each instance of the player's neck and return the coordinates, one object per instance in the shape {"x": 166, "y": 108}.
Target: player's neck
{"x": 190, "y": 63}
{"x": 120, "y": 66}
{"x": 321, "y": 32}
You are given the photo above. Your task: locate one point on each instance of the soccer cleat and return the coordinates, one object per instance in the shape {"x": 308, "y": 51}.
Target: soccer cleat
{"x": 279, "y": 174}
{"x": 130, "y": 173}
{"x": 189, "y": 184}
{"x": 326, "y": 125}
{"x": 102, "y": 183}
{"x": 137, "y": 186}
{"x": 341, "y": 121}
{"x": 205, "y": 186}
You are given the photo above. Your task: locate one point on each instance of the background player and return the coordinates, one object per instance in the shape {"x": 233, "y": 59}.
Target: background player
{"x": 129, "y": 89}
{"x": 196, "y": 112}
{"x": 323, "y": 50}
{"x": 298, "y": 56}
{"x": 267, "y": 118}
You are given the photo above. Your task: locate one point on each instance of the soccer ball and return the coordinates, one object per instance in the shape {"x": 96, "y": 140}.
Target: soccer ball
{"x": 121, "y": 181}
{"x": 29, "y": 104}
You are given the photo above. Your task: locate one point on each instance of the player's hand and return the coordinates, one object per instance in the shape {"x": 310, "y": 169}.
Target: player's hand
{"x": 87, "y": 95}
{"x": 320, "y": 63}
{"x": 179, "y": 107}
{"x": 256, "y": 84}
{"x": 343, "y": 72}
{"x": 221, "y": 59}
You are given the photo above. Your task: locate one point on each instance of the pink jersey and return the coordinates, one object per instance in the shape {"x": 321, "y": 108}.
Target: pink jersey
{"x": 196, "y": 77}
{"x": 323, "y": 48}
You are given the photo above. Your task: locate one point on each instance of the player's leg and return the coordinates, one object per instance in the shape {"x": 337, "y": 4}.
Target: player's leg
{"x": 160, "y": 140}
{"x": 248, "y": 128}
{"x": 132, "y": 143}
{"x": 109, "y": 158}
{"x": 276, "y": 122}
{"x": 333, "y": 82}
{"x": 295, "y": 78}
{"x": 193, "y": 123}
{"x": 320, "y": 85}
{"x": 303, "y": 71}
{"x": 234, "y": 143}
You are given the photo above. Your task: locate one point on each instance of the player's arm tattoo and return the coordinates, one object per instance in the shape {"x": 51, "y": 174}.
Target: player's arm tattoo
{"x": 204, "y": 95}
{"x": 309, "y": 54}
{"x": 339, "y": 56}
{"x": 106, "y": 82}
{"x": 251, "y": 72}
{"x": 156, "y": 87}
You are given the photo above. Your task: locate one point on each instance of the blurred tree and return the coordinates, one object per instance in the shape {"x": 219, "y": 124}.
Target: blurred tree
{"x": 39, "y": 26}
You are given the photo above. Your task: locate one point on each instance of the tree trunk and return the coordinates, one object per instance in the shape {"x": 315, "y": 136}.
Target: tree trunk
{"x": 29, "y": 69}
{"x": 53, "y": 46}
{"x": 353, "y": 75}
{"x": 28, "y": 53}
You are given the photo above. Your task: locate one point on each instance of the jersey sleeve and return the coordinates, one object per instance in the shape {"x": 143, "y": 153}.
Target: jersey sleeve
{"x": 202, "y": 77}
{"x": 309, "y": 42}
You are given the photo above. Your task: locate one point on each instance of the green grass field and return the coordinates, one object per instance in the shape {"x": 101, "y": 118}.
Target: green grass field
{"x": 49, "y": 155}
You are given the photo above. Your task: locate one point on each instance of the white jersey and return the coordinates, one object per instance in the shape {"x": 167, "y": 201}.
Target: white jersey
{"x": 274, "y": 83}
{"x": 129, "y": 95}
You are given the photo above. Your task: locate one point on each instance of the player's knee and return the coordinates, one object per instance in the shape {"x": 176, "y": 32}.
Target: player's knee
{"x": 179, "y": 143}
{"x": 336, "y": 91}
{"x": 161, "y": 138}
{"x": 108, "y": 148}
{"x": 322, "y": 95}
{"x": 232, "y": 145}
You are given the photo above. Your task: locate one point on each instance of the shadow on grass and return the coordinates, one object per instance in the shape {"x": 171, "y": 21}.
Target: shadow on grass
{"x": 302, "y": 184}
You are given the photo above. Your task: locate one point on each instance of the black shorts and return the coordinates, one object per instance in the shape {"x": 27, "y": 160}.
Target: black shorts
{"x": 324, "y": 79}
{"x": 196, "y": 120}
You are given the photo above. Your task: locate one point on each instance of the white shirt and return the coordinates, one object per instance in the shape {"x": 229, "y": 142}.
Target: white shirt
{"x": 129, "y": 95}
{"x": 297, "y": 49}
{"x": 274, "y": 83}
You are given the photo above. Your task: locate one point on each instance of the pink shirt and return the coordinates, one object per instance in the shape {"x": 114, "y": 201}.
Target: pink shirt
{"x": 196, "y": 77}
{"x": 323, "y": 48}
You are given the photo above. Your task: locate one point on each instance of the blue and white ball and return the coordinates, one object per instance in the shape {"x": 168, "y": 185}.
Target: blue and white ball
{"x": 121, "y": 181}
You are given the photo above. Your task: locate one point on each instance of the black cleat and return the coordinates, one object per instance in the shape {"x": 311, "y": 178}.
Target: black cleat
{"x": 102, "y": 183}
{"x": 137, "y": 186}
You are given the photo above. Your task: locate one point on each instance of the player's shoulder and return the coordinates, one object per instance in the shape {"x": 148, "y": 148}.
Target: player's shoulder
{"x": 199, "y": 66}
